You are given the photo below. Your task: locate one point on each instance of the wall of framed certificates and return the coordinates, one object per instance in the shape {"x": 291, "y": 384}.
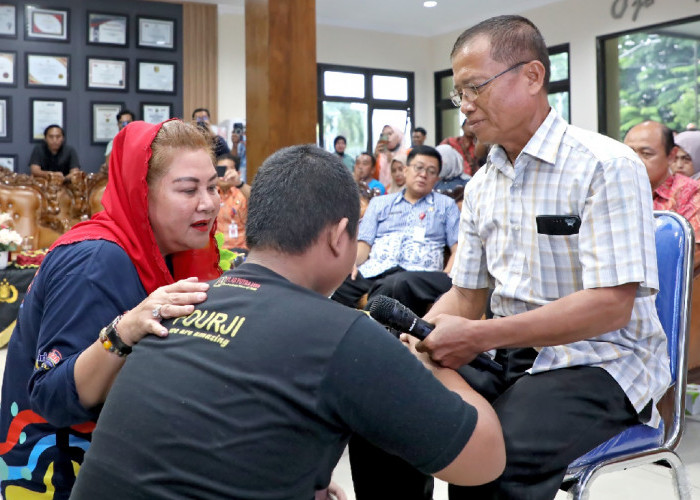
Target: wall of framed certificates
{"x": 78, "y": 64}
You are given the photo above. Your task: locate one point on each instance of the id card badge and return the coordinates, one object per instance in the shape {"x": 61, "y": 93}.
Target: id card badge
{"x": 233, "y": 230}
{"x": 419, "y": 233}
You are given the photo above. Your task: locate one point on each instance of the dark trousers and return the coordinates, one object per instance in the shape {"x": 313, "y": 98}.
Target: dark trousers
{"x": 548, "y": 420}
{"x": 417, "y": 290}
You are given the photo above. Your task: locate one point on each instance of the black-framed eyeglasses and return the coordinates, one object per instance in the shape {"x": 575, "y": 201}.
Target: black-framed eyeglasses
{"x": 422, "y": 169}
{"x": 470, "y": 92}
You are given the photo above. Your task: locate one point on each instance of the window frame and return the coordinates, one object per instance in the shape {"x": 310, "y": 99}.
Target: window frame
{"x": 372, "y": 104}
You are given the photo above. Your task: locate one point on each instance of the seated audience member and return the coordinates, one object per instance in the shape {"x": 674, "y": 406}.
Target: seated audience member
{"x": 388, "y": 146}
{"x": 339, "y": 144}
{"x": 403, "y": 238}
{"x": 234, "y": 203}
{"x": 53, "y": 156}
{"x": 465, "y": 145}
{"x": 364, "y": 167}
{"x": 398, "y": 173}
{"x": 124, "y": 117}
{"x": 687, "y": 154}
{"x": 452, "y": 176}
{"x": 201, "y": 116}
{"x": 255, "y": 394}
{"x": 654, "y": 144}
{"x": 559, "y": 223}
{"x": 418, "y": 136}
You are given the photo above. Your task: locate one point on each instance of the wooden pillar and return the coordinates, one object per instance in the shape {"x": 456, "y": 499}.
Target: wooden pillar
{"x": 280, "y": 40}
{"x": 199, "y": 59}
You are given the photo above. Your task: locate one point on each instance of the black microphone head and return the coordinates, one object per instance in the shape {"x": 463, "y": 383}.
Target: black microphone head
{"x": 381, "y": 308}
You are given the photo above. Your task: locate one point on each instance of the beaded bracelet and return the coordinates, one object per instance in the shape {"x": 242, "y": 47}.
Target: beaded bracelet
{"x": 111, "y": 341}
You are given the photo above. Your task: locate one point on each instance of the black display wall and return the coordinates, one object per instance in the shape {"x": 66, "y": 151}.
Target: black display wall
{"x": 78, "y": 100}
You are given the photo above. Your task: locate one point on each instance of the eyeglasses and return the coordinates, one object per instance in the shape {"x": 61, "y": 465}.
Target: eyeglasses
{"x": 422, "y": 169}
{"x": 470, "y": 92}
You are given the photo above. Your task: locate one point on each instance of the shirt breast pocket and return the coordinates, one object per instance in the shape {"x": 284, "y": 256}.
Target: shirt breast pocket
{"x": 558, "y": 272}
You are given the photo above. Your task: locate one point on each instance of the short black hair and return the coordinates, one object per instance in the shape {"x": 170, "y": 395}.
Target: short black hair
{"x": 374, "y": 160}
{"x": 299, "y": 191}
{"x": 426, "y": 151}
{"x": 54, "y": 125}
{"x": 340, "y": 138}
{"x": 421, "y": 130}
{"x": 200, "y": 109}
{"x": 228, "y": 156}
{"x": 125, "y": 112}
{"x": 513, "y": 39}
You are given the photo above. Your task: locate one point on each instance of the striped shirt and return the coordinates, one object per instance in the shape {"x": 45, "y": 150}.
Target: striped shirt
{"x": 410, "y": 235}
{"x": 566, "y": 171}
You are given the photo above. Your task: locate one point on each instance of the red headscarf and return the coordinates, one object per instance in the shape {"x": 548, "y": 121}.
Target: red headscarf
{"x": 125, "y": 222}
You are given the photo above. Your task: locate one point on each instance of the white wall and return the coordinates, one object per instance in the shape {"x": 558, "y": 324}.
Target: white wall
{"x": 576, "y": 22}
{"x": 579, "y": 23}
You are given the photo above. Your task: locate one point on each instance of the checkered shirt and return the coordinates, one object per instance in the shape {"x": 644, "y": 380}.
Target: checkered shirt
{"x": 389, "y": 227}
{"x": 564, "y": 170}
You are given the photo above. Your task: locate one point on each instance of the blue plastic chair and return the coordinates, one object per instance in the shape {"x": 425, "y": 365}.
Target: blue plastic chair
{"x": 642, "y": 444}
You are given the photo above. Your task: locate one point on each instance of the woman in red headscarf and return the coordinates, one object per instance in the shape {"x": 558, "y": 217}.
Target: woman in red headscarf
{"x": 102, "y": 287}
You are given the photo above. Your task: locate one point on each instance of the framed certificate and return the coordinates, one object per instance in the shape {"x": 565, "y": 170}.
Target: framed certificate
{"x": 106, "y": 74}
{"x": 46, "y": 24}
{"x": 104, "y": 121}
{"x": 156, "y": 76}
{"x": 107, "y": 29}
{"x": 8, "y": 68}
{"x": 156, "y": 33}
{"x": 8, "y": 20}
{"x": 8, "y": 161}
{"x": 45, "y": 112}
{"x": 48, "y": 70}
{"x": 5, "y": 118}
{"x": 155, "y": 112}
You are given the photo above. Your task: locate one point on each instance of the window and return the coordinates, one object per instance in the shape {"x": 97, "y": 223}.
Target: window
{"x": 559, "y": 87}
{"x": 649, "y": 74}
{"x": 448, "y": 118}
{"x": 358, "y": 102}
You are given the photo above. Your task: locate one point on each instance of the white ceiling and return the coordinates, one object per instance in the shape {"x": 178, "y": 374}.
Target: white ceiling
{"x": 407, "y": 17}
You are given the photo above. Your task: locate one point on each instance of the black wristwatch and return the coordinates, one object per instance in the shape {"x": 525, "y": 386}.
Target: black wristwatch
{"x": 240, "y": 185}
{"x": 111, "y": 341}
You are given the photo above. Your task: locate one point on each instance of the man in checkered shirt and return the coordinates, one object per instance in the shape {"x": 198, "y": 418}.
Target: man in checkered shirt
{"x": 559, "y": 223}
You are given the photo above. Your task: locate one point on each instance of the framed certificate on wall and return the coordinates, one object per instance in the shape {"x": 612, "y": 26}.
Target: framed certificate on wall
{"x": 9, "y": 162}
{"x": 8, "y": 68}
{"x": 8, "y": 20}
{"x": 155, "y": 112}
{"x": 104, "y": 121}
{"x": 107, "y": 29}
{"x": 106, "y": 74}
{"x": 156, "y": 33}
{"x": 48, "y": 70}
{"x": 46, "y": 24}
{"x": 45, "y": 112}
{"x": 5, "y": 118}
{"x": 156, "y": 76}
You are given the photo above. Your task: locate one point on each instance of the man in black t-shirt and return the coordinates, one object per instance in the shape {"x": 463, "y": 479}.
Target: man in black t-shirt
{"x": 256, "y": 393}
{"x": 53, "y": 155}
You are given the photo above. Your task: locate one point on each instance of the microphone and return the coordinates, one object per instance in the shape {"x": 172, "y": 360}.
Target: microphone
{"x": 392, "y": 313}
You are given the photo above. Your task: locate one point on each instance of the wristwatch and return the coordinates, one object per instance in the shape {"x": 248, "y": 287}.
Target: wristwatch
{"x": 111, "y": 341}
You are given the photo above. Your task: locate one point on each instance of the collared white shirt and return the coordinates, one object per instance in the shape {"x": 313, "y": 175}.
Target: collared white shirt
{"x": 410, "y": 235}
{"x": 566, "y": 171}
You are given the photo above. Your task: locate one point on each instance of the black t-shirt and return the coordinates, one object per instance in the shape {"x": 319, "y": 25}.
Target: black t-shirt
{"x": 63, "y": 161}
{"x": 255, "y": 394}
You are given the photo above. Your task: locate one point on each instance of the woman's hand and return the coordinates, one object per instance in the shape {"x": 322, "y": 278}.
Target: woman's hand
{"x": 170, "y": 301}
